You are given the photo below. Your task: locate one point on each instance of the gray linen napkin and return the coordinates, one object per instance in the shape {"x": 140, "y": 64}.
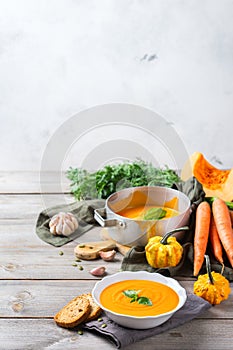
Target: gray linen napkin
{"x": 122, "y": 336}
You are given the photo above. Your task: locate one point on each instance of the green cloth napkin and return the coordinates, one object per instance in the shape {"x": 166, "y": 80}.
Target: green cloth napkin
{"x": 84, "y": 213}
{"x": 135, "y": 259}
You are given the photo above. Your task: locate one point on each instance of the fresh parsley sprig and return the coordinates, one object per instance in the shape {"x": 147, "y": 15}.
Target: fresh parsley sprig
{"x": 111, "y": 178}
{"x": 133, "y": 295}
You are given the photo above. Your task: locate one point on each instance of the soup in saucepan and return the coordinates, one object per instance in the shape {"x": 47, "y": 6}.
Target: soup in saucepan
{"x": 139, "y": 298}
{"x": 148, "y": 212}
{"x": 151, "y": 212}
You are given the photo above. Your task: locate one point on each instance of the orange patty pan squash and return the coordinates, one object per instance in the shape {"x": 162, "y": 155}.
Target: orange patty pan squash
{"x": 163, "y": 251}
{"x": 212, "y": 286}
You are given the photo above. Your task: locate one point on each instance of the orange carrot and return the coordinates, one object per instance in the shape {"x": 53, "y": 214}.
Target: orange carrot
{"x": 223, "y": 223}
{"x": 215, "y": 242}
{"x": 201, "y": 235}
{"x": 231, "y": 215}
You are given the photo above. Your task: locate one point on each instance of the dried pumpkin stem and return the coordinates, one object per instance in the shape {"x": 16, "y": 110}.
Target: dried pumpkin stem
{"x": 208, "y": 268}
{"x": 168, "y": 234}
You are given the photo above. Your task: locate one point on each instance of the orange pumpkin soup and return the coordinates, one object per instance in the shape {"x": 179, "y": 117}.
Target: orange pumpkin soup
{"x": 139, "y": 212}
{"x": 125, "y": 298}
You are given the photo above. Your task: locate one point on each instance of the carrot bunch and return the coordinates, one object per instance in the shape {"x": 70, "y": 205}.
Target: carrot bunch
{"x": 214, "y": 226}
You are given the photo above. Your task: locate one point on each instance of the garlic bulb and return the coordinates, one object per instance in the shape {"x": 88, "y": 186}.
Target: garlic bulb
{"x": 63, "y": 224}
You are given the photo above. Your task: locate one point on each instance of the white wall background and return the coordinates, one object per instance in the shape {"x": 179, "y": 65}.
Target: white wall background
{"x": 58, "y": 57}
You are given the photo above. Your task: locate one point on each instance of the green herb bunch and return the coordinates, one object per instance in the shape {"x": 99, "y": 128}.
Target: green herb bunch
{"x": 133, "y": 295}
{"x": 103, "y": 182}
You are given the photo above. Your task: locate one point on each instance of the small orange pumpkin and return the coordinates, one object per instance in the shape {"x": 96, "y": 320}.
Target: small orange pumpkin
{"x": 164, "y": 251}
{"x": 212, "y": 286}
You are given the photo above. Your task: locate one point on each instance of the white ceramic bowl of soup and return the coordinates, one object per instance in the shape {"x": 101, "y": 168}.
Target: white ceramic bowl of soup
{"x": 165, "y": 295}
{"x": 134, "y": 230}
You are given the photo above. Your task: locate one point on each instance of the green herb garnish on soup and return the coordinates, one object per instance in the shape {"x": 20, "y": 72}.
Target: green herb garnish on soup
{"x": 133, "y": 295}
{"x": 155, "y": 214}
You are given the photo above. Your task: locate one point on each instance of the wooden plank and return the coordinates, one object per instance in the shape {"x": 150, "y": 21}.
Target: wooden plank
{"x": 45, "y": 263}
{"x": 198, "y": 334}
{"x": 24, "y": 256}
{"x": 44, "y": 298}
{"x": 44, "y": 334}
{"x": 33, "y": 182}
{"x": 15, "y": 233}
{"x": 28, "y": 207}
{"x": 22, "y": 233}
{"x": 39, "y": 298}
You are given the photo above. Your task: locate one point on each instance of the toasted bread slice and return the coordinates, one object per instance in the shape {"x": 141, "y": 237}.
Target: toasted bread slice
{"x": 74, "y": 313}
{"x": 95, "y": 309}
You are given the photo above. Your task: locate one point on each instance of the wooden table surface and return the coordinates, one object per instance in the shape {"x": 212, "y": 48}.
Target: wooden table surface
{"x": 36, "y": 281}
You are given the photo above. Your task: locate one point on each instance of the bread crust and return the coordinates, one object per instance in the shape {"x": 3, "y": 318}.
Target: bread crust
{"x": 95, "y": 309}
{"x": 74, "y": 313}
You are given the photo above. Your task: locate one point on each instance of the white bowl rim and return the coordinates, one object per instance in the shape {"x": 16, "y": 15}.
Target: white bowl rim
{"x": 182, "y": 298}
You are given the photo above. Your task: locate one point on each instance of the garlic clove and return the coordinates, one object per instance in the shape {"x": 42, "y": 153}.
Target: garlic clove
{"x": 108, "y": 256}
{"x": 54, "y": 219}
{"x": 59, "y": 228}
{"x": 70, "y": 224}
{"x": 66, "y": 230}
{"x": 52, "y": 224}
{"x": 75, "y": 221}
{"x": 53, "y": 229}
{"x": 98, "y": 271}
